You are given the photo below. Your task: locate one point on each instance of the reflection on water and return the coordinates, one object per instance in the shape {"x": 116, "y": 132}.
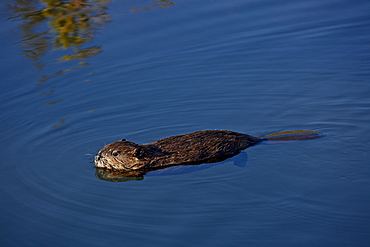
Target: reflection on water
{"x": 65, "y": 26}
{"x": 44, "y": 78}
{"x": 116, "y": 176}
{"x": 60, "y": 24}
{"x": 56, "y": 24}
{"x": 52, "y": 103}
{"x": 123, "y": 176}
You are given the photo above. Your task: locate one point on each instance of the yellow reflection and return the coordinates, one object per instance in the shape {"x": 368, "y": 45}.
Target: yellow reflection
{"x": 63, "y": 25}
{"x": 81, "y": 54}
{"x": 58, "y": 24}
{"x": 52, "y": 103}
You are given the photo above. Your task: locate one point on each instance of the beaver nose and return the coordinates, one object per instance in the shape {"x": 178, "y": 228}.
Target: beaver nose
{"x": 97, "y": 157}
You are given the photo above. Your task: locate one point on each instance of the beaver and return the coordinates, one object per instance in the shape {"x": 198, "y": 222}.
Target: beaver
{"x": 205, "y": 146}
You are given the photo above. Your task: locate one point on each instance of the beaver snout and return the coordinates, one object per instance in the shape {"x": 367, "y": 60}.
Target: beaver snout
{"x": 99, "y": 161}
{"x": 97, "y": 157}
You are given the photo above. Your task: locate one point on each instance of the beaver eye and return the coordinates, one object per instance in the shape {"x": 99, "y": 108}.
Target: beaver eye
{"x": 115, "y": 153}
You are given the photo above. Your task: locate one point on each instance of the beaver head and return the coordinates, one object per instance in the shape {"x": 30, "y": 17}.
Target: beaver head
{"x": 123, "y": 155}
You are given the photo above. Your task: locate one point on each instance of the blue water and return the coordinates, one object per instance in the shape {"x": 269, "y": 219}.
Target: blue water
{"x": 255, "y": 67}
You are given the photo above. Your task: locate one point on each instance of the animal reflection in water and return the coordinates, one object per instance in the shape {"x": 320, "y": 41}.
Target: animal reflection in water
{"x": 125, "y": 160}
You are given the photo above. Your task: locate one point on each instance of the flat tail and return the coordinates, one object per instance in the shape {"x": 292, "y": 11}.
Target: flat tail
{"x": 296, "y": 135}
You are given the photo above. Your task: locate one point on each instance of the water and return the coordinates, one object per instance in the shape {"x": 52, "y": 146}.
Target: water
{"x": 255, "y": 67}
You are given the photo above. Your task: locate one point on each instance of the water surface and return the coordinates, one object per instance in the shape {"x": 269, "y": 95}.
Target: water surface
{"x": 255, "y": 67}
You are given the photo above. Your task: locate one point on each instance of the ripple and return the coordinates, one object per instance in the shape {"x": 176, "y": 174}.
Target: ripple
{"x": 247, "y": 67}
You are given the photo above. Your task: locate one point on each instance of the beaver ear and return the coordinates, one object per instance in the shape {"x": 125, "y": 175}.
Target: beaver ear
{"x": 123, "y": 140}
{"x": 138, "y": 152}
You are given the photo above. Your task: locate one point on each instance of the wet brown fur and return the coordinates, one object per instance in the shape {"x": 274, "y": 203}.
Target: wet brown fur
{"x": 193, "y": 148}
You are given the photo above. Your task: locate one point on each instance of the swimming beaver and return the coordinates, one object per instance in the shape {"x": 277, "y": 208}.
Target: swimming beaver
{"x": 203, "y": 146}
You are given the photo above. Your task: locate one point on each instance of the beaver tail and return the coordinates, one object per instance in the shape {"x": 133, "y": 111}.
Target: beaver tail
{"x": 296, "y": 135}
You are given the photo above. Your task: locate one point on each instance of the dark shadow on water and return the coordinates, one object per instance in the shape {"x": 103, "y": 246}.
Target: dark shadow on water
{"x": 239, "y": 160}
